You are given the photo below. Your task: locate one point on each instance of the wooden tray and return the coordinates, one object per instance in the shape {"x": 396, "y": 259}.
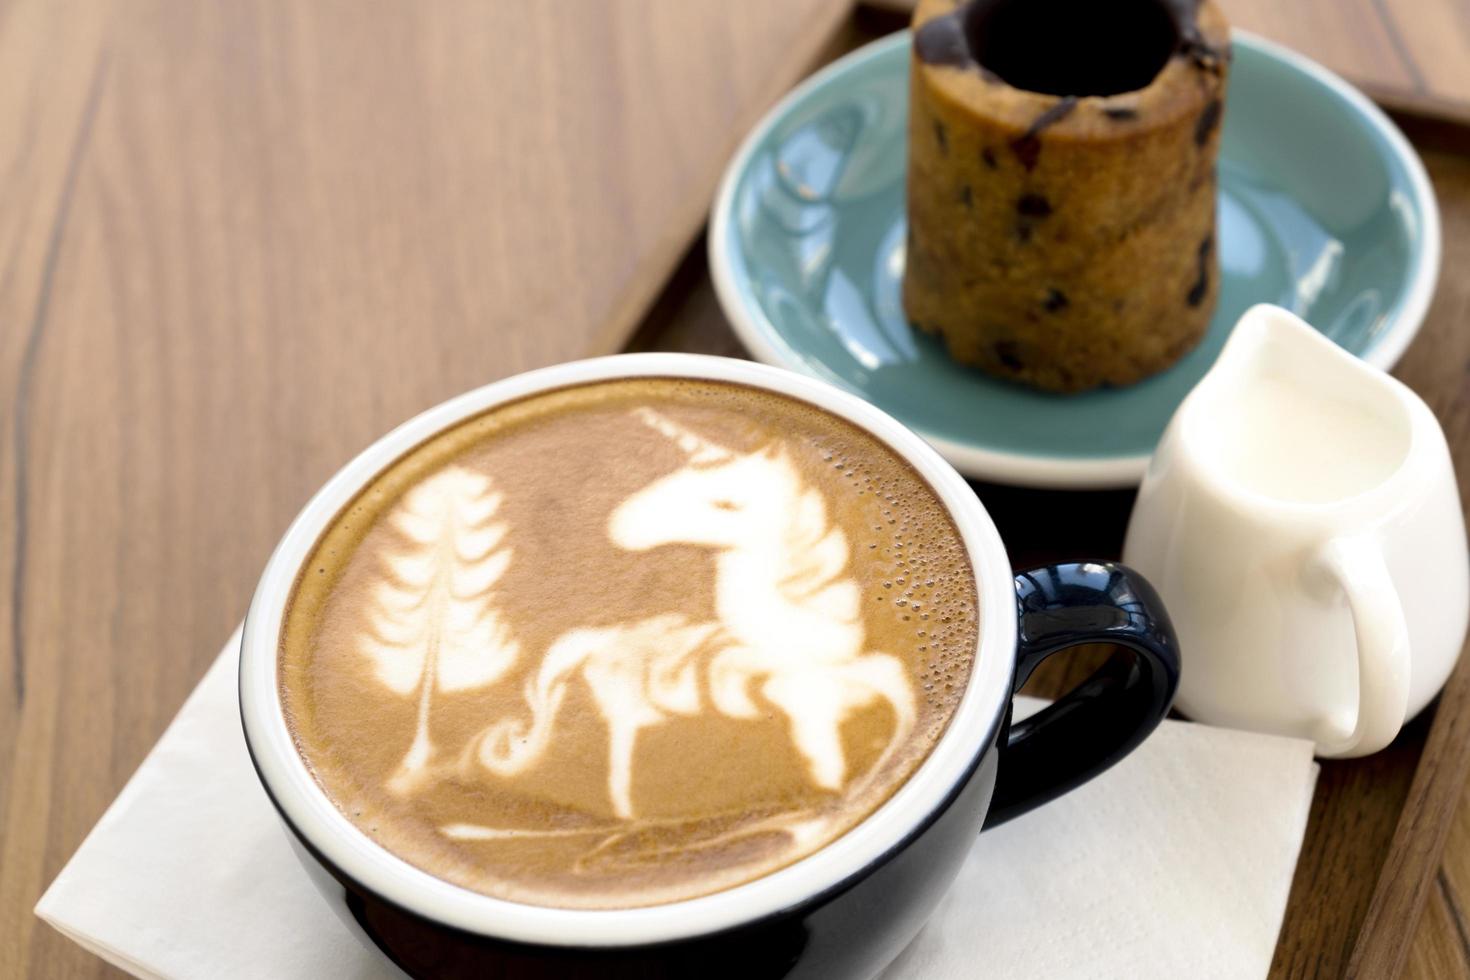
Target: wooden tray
{"x": 1378, "y": 825}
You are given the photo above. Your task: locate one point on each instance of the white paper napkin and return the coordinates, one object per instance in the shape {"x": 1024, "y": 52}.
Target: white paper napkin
{"x": 1175, "y": 863}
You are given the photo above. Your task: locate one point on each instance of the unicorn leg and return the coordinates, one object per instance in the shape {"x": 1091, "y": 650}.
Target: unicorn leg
{"x": 615, "y": 676}
{"x": 730, "y": 675}
{"x": 815, "y": 706}
{"x": 622, "y": 741}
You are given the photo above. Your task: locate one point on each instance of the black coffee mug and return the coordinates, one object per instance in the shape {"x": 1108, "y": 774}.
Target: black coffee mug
{"x": 844, "y": 911}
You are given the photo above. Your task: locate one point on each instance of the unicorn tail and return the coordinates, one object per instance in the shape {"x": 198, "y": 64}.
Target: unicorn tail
{"x": 887, "y": 678}
{"x": 512, "y": 745}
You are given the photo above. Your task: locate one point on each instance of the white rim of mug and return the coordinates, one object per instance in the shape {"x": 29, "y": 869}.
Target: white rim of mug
{"x": 1020, "y": 469}
{"x": 312, "y": 814}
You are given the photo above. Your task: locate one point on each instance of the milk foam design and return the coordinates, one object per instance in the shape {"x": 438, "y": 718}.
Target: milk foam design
{"x": 638, "y": 675}
{"x": 433, "y": 623}
{"x": 788, "y": 627}
{"x": 788, "y": 622}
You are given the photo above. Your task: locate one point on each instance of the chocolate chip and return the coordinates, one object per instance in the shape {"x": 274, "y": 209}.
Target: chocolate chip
{"x": 989, "y": 158}
{"x": 1119, "y": 113}
{"x": 1033, "y": 206}
{"x": 941, "y": 136}
{"x": 967, "y": 198}
{"x": 1055, "y": 300}
{"x": 1208, "y": 120}
{"x": 1028, "y": 148}
{"x": 1007, "y": 352}
{"x": 942, "y": 41}
{"x": 1196, "y": 294}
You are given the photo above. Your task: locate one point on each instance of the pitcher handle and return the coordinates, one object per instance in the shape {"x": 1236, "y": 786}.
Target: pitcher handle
{"x": 1356, "y": 565}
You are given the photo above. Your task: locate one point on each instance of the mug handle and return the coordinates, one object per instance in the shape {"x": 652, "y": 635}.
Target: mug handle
{"x": 1356, "y": 565}
{"x": 1109, "y": 714}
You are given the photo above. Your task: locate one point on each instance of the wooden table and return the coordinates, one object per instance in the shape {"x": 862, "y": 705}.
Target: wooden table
{"x": 238, "y": 241}
{"x": 1411, "y": 53}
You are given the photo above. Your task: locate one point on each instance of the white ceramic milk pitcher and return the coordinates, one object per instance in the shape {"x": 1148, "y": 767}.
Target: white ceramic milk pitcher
{"x": 1302, "y": 523}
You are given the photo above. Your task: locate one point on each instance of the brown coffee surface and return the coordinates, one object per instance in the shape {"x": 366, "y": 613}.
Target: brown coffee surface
{"x": 628, "y": 643}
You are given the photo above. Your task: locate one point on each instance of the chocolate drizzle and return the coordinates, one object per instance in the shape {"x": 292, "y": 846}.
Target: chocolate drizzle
{"x": 1054, "y": 115}
{"x": 1028, "y": 147}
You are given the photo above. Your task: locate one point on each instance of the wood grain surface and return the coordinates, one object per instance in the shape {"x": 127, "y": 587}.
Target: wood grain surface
{"x": 1409, "y": 53}
{"x": 240, "y": 240}
{"x": 1439, "y": 368}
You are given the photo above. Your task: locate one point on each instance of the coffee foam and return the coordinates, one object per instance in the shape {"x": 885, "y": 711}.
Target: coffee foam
{"x": 628, "y": 643}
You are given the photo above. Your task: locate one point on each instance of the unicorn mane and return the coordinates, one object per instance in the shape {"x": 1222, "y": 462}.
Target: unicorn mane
{"x": 813, "y": 552}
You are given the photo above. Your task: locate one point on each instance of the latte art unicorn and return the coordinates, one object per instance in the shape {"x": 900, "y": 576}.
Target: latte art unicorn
{"x": 788, "y": 633}
{"x": 788, "y": 628}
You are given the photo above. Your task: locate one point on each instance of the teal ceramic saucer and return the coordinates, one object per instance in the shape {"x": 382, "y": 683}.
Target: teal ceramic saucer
{"x": 1324, "y": 209}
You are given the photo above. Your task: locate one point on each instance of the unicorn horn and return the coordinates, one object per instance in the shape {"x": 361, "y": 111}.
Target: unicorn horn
{"x": 700, "y": 449}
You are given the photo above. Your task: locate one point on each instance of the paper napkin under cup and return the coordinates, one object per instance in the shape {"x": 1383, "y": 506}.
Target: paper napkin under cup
{"x": 1174, "y": 863}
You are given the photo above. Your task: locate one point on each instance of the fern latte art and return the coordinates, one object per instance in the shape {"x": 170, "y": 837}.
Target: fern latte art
{"x": 628, "y": 643}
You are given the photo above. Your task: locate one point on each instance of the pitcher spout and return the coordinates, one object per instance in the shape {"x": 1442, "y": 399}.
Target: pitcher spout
{"x": 1269, "y": 341}
{"x": 1290, "y": 417}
